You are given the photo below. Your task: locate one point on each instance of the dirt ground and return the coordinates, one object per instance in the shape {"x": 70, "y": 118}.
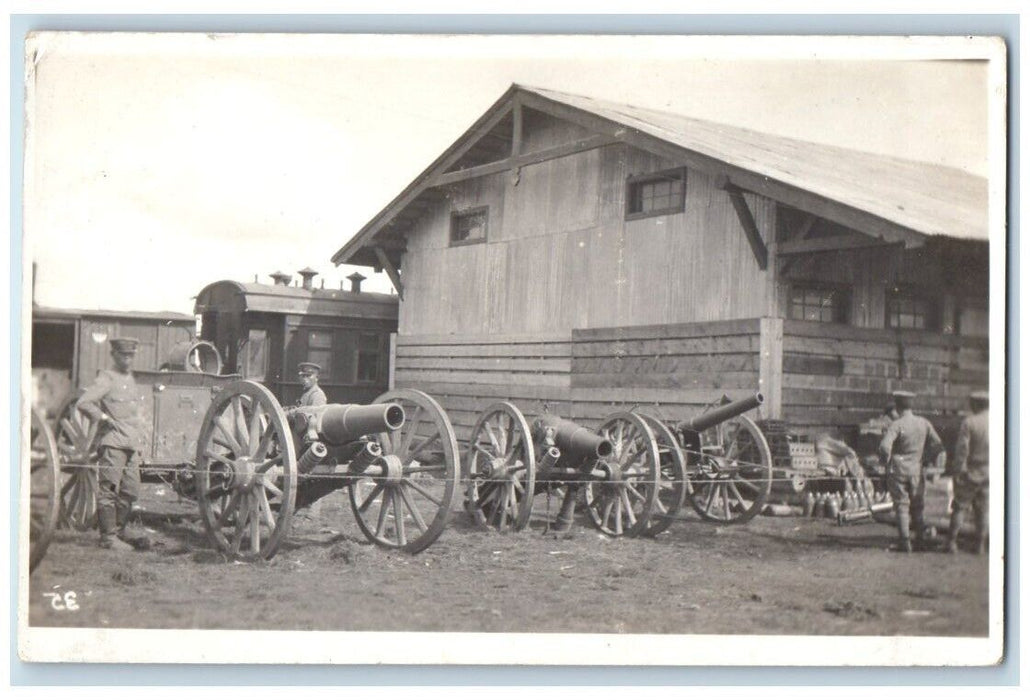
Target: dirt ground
{"x": 774, "y": 575}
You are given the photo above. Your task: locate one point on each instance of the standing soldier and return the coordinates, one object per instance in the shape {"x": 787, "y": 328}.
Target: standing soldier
{"x": 114, "y": 403}
{"x": 970, "y": 473}
{"x": 313, "y": 394}
{"x": 901, "y": 450}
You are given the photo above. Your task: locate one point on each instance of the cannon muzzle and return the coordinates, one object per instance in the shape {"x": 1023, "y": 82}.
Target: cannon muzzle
{"x": 720, "y": 414}
{"x": 337, "y": 424}
{"x": 575, "y": 441}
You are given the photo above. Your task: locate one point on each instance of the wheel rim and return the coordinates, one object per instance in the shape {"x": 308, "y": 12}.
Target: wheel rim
{"x": 733, "y": 477}
{"x": 501, "y": 469}
{"x": 246, "y": 472}
{"x": 623, "y": 504}
{"x": 77, "y": 446}
{"x": 408, "y": 509}
{"x": 672, "y": 476}
{"x": 44, "y": 480}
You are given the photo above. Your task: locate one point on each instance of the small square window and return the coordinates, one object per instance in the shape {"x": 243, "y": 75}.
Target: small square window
{"x": 656, "y": 194}
{"x": 320, "y": 350}
{"x": 908, "y": 310}
{"x": 822, "y": 303}
{"x": 469, "y": 226}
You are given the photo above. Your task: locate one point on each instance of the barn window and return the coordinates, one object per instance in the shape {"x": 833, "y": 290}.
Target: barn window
{"x": 656, "y": 193}
{"x": 368, "y": 357}
{"x": 320, "y": 350}
{"x": 908, "y": 310}
{"x": 469, "y": 226}
{"x": 817, "y": 302}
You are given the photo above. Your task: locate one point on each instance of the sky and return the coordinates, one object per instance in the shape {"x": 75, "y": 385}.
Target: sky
{"x": 159, "y": 164}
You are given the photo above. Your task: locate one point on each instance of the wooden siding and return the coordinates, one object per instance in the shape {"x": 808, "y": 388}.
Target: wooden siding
{"x": 836, "y": 375}
{"x": 560, "y": 255}
{"x": 814, "y": 376}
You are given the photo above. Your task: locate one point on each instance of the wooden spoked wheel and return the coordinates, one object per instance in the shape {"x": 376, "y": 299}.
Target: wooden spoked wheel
{"x": 672, "y": 476}
{"x": 406, "y": 505}
{"x": 246, "y": 471}
{"x": 623, "y": 501}
{"x": 501, "y": 469}
{"x": 733, "y": 476}
{"x": 78, "y": 447}
{"x": 44, "y": 482}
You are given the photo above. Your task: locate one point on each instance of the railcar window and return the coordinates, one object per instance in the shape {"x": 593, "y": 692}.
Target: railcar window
{"x": 368, "y": 357}
{"x": 320, "y": 350}
{"x": 469, "y": 226}
{"x": 656, "y": 194}
{"x": 256, "y": 355}
{"x": 819, "y": 303}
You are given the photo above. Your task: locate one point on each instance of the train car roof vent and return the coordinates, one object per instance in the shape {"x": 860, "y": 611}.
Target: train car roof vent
{"x": 356, "y": 279}
{"x": 281, "y": 279}
{"x": 308, "y": 275}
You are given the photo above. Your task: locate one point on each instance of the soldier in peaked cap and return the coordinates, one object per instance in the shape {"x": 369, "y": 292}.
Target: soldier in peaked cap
{"x": 313, "y": 395}
{"x": 113, "y": 401}
{"x": 970, "y": 473}
{"x": 902, "y": 449}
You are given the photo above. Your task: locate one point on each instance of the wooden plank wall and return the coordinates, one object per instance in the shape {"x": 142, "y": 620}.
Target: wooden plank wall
{"x": 836, "y": 375}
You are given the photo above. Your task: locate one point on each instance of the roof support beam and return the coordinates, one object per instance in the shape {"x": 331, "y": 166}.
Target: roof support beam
{"x": 565, "y": 149}
{"x": 848, "y": 241}
{"x": 747, "y": 222}
{"x": 804, "y": 232}
{"x": 391, "y": 271}
{"x": 516, "y": 128}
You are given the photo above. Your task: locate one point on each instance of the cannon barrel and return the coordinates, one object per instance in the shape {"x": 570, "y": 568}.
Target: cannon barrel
{"x": 337, "y": 423}
{"x": 720, "y": 414}
{"x": 574, "y": 440}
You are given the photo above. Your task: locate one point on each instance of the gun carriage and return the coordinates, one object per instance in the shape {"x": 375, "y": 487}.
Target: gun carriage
{"x": 44, "y": 479}
{"x": 250, "y": 463}
{"x": 510, "y": 462}
{"x": 718, "y": 461}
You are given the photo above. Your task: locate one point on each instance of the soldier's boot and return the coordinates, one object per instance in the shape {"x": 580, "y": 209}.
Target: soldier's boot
{"x": 953, "y": 529}
{"x": 108, "y": 521}
{"x": 127, "y": 531}
{"x": 904, "y": 537}
{"x": 981, "y": 534}
{"x": 563, "y": 522}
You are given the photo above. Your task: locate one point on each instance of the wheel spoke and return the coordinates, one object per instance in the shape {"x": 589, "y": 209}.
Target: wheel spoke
{"x": 255, "y": 525}
{"x": 255, "y": 432}
{"x": 712, "y": 488}
{"x": 483, "y": 450}
{"x": 218, "y": 457}
{"x": 425, "y": 468}
{"x": 272, "y": 487}
{"x": 241, "y": 526}
{"x": 631, "y": 489}
{"x": 416, "y": 420}
{"x": 234, "y": 500}
{"x": 376, "y": 490}
{"x": 726, "y": 502}
{"x": 618, "y": 516}
{"x": 740, "y": 499}
{"x": 268, "y": 464}
{"x": 230, "y": 441}
{"x": 426, "y": 442}
{"x": 383, "y": 506}
{"x": 266, "y": 441}
{"x": 398, "y": 517}
{"x": 422, "y": 491}
{"x": 629, "y": 507}
{"x": 415, "y": 514}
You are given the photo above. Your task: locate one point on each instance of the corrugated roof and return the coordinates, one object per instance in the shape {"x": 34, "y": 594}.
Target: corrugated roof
{"x": 927, "y": 198}
{"x": 899, "y": 199}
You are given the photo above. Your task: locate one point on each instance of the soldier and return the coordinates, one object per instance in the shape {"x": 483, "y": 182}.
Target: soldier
{"x": 970, "y": 473}
{"x": 114, "y": 403}
{"x": 313, "y": 394}
{"x": 901, "y": 450}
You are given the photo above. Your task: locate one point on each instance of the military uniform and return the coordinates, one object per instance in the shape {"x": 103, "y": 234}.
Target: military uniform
{"x": 970, "y": 473}
{"x": 114, "y": 402}
{"x": 902, "y": 450}
{"x": 312, "y": 397}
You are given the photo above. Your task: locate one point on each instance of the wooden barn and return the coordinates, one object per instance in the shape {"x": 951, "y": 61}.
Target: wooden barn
{"x": 69, "y": 346}
{"x": 262, "y": 332}
{"x": 588, "y": 255}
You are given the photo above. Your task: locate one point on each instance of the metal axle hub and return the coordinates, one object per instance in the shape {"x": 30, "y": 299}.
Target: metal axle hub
{"x": 393, "y": 468}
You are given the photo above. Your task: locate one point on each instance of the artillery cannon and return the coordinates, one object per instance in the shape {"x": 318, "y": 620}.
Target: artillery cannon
{"x": 250, "y": 464}
{"x": 510, "y": 463}
{"x": 719, "y": 461}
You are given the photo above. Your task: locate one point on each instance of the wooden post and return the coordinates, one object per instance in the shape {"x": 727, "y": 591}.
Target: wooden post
{"x": 770, "y": 367}
{"x": 391, "y": 271}
{"x": 392, "y": 362}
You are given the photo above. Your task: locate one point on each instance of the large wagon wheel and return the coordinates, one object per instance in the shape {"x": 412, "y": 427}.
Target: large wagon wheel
{"x": 501, "y": 469}
{"x": 623, "y": 502}
{"x": 44, "y": 481}
{"x": 78, "y": 447}
{"x": 246, "y": 471}
{"x": 672, "y": 476}
{"x": 733, "y": 477}
{"x": 406, "y": 506}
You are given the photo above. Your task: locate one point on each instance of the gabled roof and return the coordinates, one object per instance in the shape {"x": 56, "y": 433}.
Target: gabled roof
{"x": 892, "y": 198}
{"x": 45, "y": 313}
